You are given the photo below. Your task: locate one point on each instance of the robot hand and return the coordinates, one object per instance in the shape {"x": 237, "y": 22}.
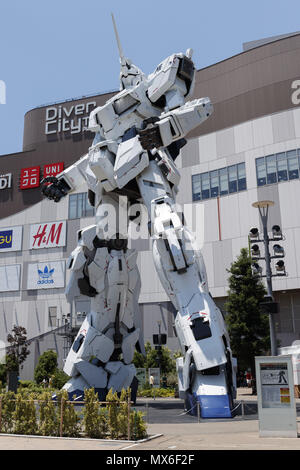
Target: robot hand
{"x": 150, "y": 137}
{"x": 56, "y": 190}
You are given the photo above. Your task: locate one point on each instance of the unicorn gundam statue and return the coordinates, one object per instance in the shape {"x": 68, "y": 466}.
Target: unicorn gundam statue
{"x": 138, "y": 135}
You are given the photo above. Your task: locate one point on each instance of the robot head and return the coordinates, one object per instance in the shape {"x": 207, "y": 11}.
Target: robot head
{"x": 130, "y": 74}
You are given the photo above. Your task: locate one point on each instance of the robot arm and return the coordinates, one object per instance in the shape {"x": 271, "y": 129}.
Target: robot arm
{"x": 66, "y": 181}
{"x": 176, "y": 124}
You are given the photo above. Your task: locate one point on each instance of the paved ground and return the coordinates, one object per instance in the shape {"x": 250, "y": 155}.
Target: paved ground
{"x": 239, "y": 433}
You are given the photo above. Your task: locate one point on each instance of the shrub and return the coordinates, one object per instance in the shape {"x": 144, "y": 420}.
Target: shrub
{"x": 112, "y": 411}
{"x": 137, "y": 425}
{"x": 94, "y": 417}
{"x": 24, "y": 416}
{"x": 59, "y": 379}
{"x": 26, "y": 386}
{"x": 48, "y": 422}
{"x": 71, "y": 425}
{"x": 123, "y": 414}
{"x": 8, "y": 408}
{"x": 157, "y": 392}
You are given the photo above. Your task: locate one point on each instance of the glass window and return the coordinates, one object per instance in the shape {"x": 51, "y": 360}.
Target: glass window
{"x": 223, "y": 181}
{"x": 80, "y": 202}
{"x": 214, "y": 183}
{"x": 271, "y": 169}
{"x": 232, "y": 176}
{"x": 241, "y": 177}
{"x": 293, "y": 165}
{"x": 261, "y": 171}
{"x": 219, "y": 182}
{"x": 79, "y": 206}
{"x": 282, "y": 166}
{"x": 73, "y": 206}
{"x": 205, "y": 185}
{"x": 196, "y": 187}
{"x": 52, "y": 316}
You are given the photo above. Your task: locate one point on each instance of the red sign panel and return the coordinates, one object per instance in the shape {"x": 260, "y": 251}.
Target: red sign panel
{"x": 30, "y": 177}
{"x": 53, "y": 169}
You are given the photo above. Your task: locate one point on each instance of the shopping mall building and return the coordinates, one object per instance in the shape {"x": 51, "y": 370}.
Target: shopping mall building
{"x": 247, "y": 151}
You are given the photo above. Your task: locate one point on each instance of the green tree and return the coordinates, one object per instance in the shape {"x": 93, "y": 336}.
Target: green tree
{"x": 46, "y": 366}
{"x": 248, "y": 326}
{"x": 17, "y": 349}
{"x": 167, "y": 360}
{"x": 59, "y": 378}
{"x": 167, "y": 363}
{"x": 3, "y": 372}
{"x": 139, "y": 360}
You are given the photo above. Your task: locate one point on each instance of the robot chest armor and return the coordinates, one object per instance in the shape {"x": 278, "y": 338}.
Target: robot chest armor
{"x": 126, "y": 109}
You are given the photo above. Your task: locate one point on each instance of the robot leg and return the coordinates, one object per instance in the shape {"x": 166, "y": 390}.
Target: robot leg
{"x": 102, "y": 352}
{"x": 205, "y": 373}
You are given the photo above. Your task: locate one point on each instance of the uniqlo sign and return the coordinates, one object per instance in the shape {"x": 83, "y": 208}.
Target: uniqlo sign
{"x": 53, "y": 169}
{"x": 49, "y": 235}
{"x": 30, "y": 177}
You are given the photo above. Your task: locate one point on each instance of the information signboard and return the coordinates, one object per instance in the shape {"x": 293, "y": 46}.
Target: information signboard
{"x": 275, "y": 394}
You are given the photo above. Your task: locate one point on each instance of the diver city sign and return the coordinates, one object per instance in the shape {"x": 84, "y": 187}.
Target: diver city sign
{"x": 68, "y": 118}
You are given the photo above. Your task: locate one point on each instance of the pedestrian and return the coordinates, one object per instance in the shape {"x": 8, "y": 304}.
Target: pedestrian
{"x": 151, "y": 381}
{"x": 248, "y": 378}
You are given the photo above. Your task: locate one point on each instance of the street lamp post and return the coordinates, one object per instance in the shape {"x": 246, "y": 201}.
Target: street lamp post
{"x": 270, "y": 306}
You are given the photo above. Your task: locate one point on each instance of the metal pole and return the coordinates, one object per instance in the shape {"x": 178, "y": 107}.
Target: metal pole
{"x": 198, "y": 411}
{"x": 61, "y": 416}
{"x": 128, "y": 417}
{"x": 264, "y": 219}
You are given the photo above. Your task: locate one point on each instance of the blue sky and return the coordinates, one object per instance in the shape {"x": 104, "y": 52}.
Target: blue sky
{"x": 60, "y": 49}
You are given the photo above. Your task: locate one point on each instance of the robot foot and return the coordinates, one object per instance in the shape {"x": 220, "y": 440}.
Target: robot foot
{"x": 118, "y": 376}
{"x": 76, "y": 386}
{"x": 210, "y": 395}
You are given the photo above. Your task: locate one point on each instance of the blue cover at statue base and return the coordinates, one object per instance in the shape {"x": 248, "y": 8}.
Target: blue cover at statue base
{"x": 211, "y": 406}
{"x": 214, "y": 406}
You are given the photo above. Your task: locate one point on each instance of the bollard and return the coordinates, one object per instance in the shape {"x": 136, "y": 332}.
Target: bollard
{"x": 0, "y": 413}
{"x": 243, "y": 409}
{"x": 147, "y": 412}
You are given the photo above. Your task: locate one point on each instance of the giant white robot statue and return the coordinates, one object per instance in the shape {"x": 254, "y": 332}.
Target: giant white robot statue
{"x": 138, "y": 135}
